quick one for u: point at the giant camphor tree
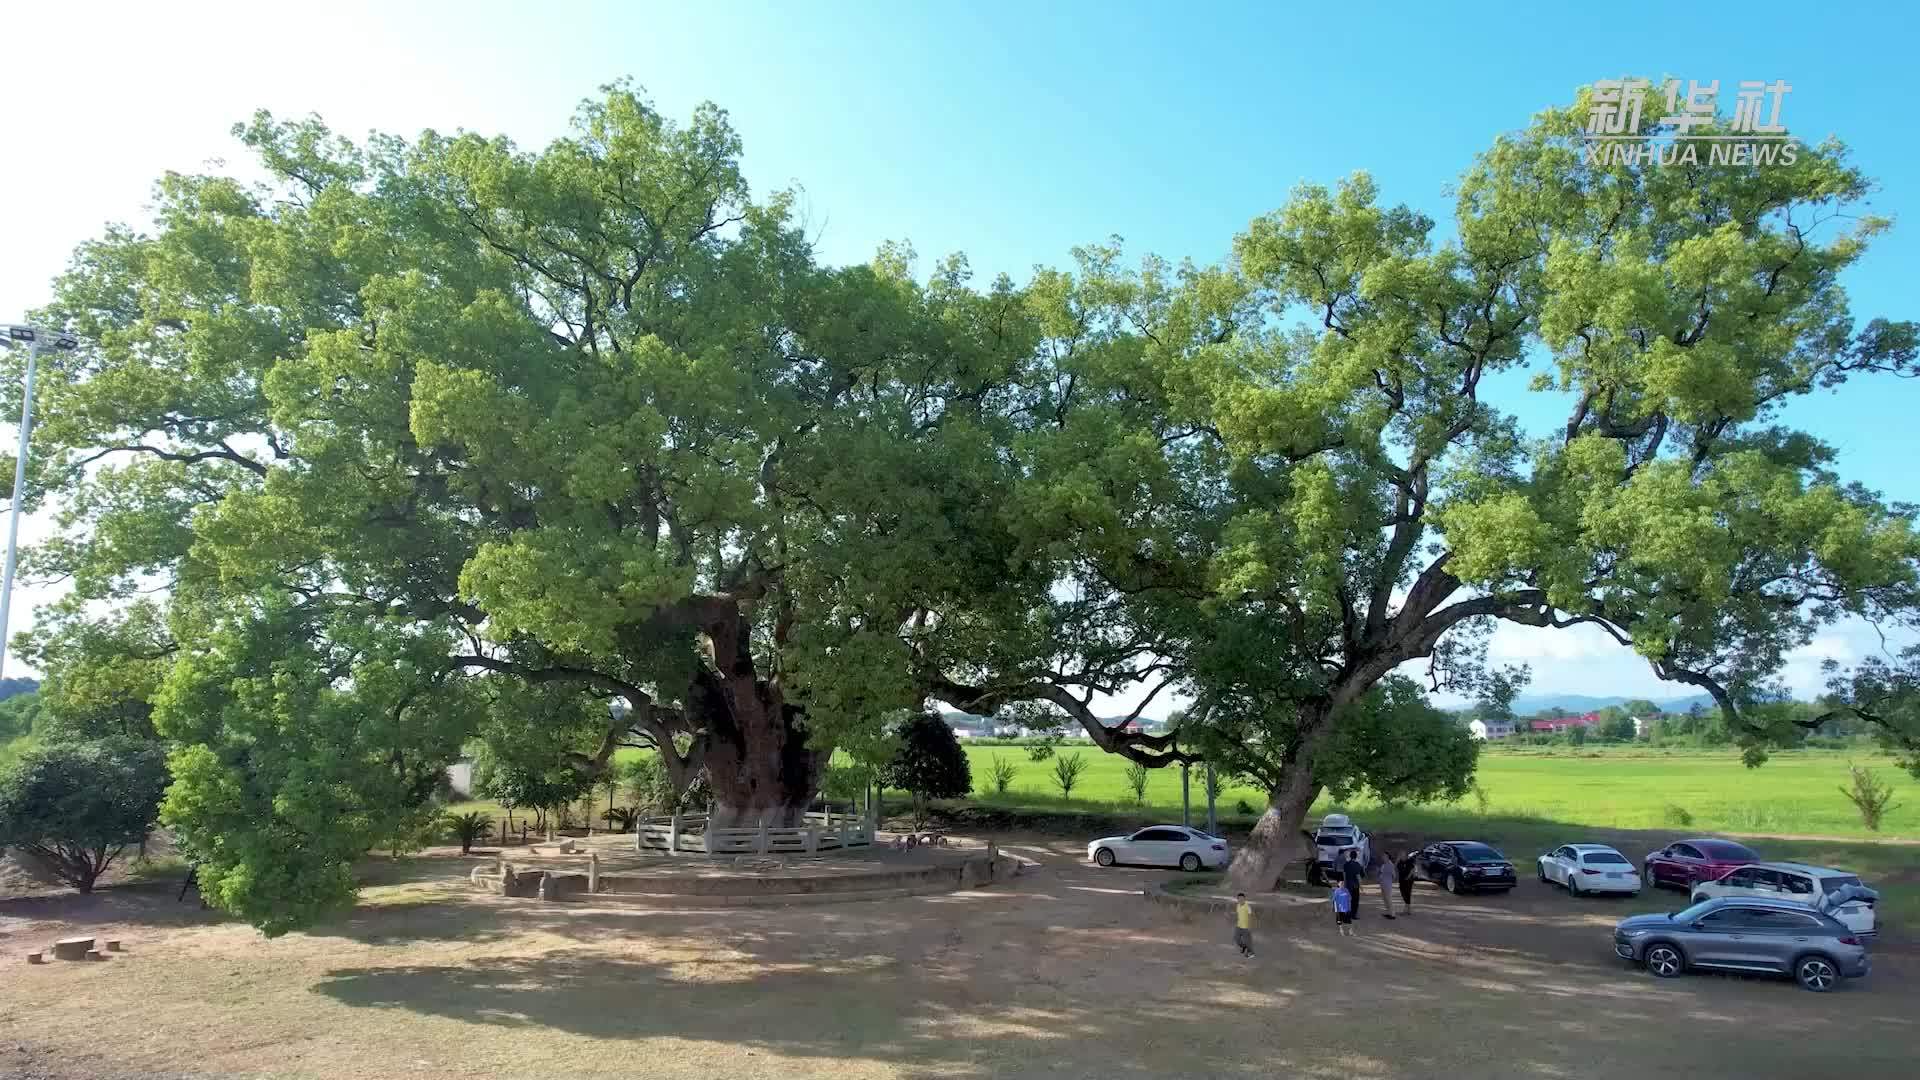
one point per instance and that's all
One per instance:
(1284, 477)
(414, 421)
(412, 416)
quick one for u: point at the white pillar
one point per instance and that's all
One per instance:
(593, 872)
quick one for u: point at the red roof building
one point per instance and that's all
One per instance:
(1565, 722)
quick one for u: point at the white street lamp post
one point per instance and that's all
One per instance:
(36, 341)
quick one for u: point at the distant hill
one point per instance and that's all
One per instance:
(10, 687)
(1528, 704)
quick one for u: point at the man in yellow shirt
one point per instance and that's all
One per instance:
(1243, 924)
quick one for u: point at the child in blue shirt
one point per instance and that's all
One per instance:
(1343, 909)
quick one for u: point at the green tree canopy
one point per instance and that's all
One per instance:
(929, 762)
(1283, 477)
(420, 418)
(78, 806)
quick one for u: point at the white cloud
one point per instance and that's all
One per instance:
(1515, 644)
(1802, 673)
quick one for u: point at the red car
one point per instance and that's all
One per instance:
(1689, 862)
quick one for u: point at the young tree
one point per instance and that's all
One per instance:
(1001, 772)
(1066, 772)
(1137, 775)
(928, 764)
(78, 806)
(1283, 478)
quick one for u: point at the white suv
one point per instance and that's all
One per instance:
(1835, 892)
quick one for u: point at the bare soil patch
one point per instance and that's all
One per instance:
(1064, 972)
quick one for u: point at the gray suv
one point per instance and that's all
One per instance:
(1745, 934)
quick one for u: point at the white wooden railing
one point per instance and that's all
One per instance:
(690, 834)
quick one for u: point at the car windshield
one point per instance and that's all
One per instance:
(1479, 853)
(1692, 913)
(1336, 837)
(1720, 849)
(1604, 858)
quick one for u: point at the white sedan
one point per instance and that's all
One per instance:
(1589, 868)
(1161, 845)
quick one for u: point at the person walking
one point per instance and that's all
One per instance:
(1351, 875)
(1387, 878)
(1405, 870)
(1342, 909)
(1243, 924)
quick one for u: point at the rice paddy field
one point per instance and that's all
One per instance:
(1794, 793)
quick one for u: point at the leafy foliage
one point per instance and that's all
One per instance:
(426, 436)
(468, 829)
(1869, 795)
(79, 805)
(1137, 775)
(1066, 772)
(929, 762)
(1000, 774)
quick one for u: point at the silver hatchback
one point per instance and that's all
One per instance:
(1745, 934)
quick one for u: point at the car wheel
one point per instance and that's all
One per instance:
(1665, 961)
(1541, 869)
(1454, 884)
(1647, 878)
(1104, 857)
(1816, 973)
(1573, 886)
(1189, 862)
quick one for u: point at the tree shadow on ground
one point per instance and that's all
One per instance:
(1063, 973)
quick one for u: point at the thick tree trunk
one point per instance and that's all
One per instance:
(1276, 836)
(757, 757)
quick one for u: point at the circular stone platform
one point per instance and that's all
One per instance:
(606, 869)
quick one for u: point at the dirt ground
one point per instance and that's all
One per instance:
(1064, 972)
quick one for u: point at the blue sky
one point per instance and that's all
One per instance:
(1008, 133)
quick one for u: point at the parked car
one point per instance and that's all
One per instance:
(1822, 888)
(1685, 864)
(1589, 868)
(1745, 934)
(1331, 842)
(1465, 866)
(1162, 845)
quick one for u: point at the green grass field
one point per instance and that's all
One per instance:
(1795, 792)
(1537, 798)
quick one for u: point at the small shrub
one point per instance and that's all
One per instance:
(1678, 815)
(1000, 773)
(1137, 783)
(1869, 795)
(1243, 808)
(469, 828)
(1066, 772)
(1480, 800)
(621, 818)
(78, 806)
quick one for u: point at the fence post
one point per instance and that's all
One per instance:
(813, 839)
(593, 872)
(706, 837)
(673, 834)
(763, 836)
